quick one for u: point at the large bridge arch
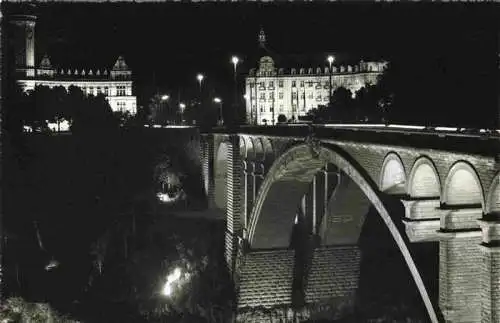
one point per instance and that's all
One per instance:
(269, 228)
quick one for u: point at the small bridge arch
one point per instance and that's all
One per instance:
(463, 186)
(493, 201)
(393, 175)
(423, 180)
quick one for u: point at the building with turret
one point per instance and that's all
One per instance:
(114, 82)
(271, 90)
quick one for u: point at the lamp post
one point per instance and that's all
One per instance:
(235, 61)
(164, 98)
(330, 61)
(221, 118)
(200, 78)
(182, 106)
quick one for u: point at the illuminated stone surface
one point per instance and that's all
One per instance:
(444, 186)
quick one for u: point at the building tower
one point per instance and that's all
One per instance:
(262, 38)
(23, 38)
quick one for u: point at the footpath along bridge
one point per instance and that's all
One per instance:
(322, 179)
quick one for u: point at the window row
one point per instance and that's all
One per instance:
(262, 108)
(98, 90)
(295, 96)
(121, 106)
(262, 85)
(120, 90)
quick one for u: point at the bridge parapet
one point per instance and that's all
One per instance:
(482, 143)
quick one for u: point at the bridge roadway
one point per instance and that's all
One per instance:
(482, 142)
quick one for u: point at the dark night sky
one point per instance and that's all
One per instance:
(449, 48)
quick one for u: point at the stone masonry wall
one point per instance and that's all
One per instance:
(460, 279)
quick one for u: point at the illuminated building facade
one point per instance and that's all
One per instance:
(115, 82)
(271, 91)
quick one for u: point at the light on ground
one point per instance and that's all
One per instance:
(171, 280)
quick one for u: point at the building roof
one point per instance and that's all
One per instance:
(120, 64)
(306, 59)
(45, 63)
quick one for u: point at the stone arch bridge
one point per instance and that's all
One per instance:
(319, 181)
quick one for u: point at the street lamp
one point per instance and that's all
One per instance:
(330, 60)
(200, 78)
(163, 109)
(182, 106)
(221, 118)
(235, 61)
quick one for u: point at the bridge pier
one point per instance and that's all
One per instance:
(459, 256)
(233, 206)
(208, 158)
(490, 269)
(422, 220)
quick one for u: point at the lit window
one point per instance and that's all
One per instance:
(121, 106)
(263, 96)
(280, 95)
(281, 107)
(271, 84)
(301, 83)
(261, 108)
(310, 84)
(106, 91)
(120, 90)
(91, 90)
(294, 107)
(293, 84)
(310, 96)
(280, 83)
(251, 85)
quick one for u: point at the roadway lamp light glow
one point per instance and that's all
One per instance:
(217, 100)
(164, 97)
(171, 280)
(330, 59)
(235, 60)
(182, 105)
(200, 77)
